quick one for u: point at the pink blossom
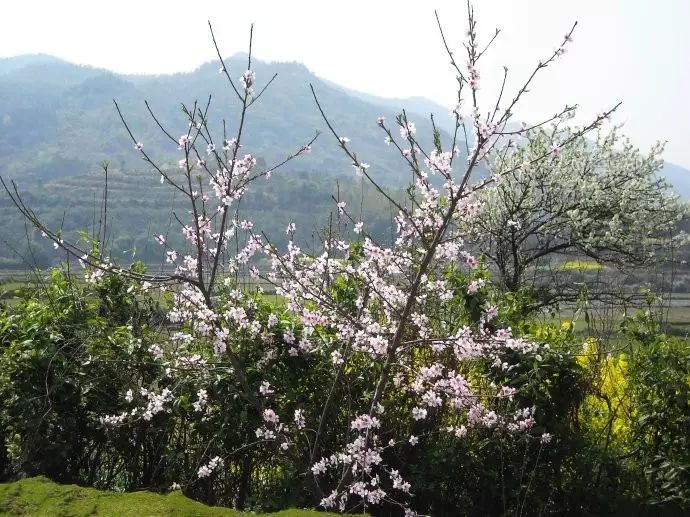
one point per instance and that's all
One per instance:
(408, 130)
(265, 389)
(475, 285)
(270, 416)
(183, 141)
(247, 81)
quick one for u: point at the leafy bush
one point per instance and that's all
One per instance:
(659, 374)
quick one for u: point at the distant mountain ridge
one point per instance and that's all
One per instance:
(57, 118)
(58, 123)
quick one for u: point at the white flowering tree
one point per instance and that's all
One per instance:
(600, 199)
(382, 331)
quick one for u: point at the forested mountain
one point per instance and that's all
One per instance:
(141, 207)
(58, 119)
(58, 123)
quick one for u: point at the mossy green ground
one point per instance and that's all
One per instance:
(41, 497)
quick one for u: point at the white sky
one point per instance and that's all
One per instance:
(635, 51)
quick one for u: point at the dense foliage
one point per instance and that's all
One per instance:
(70, 352)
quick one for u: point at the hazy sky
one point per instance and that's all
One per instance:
(635, 51)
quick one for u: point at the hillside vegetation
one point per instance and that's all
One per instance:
(140, 207)
(58, 119)
(58, 124)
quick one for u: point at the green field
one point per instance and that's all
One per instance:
(12, 281)
(41, 497)
(673, 317)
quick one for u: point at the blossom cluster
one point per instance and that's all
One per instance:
(403, 322)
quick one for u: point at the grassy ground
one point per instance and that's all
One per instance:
(41, 497)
